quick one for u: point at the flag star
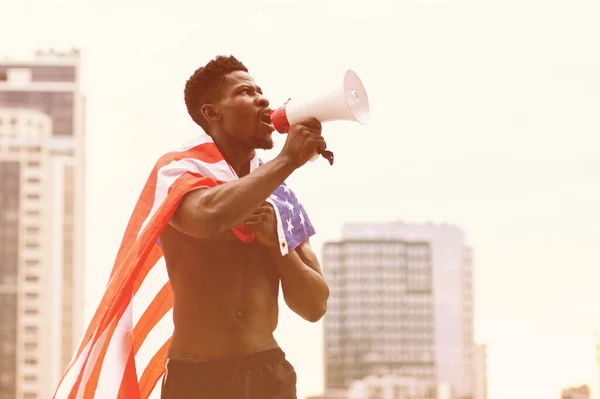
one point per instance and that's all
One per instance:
(290, 226)
(290, 206)
(302, 218)
(286, 189)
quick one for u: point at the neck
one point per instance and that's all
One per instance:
(237, 154)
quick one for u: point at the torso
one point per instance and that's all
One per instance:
(225, 295)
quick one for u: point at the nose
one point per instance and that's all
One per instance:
(261, 101)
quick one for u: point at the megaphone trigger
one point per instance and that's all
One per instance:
(328, 155)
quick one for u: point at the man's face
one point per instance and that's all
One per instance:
(245, 113)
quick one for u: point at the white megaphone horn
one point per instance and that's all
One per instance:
(348, 101)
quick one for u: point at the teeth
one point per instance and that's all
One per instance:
(266, 118)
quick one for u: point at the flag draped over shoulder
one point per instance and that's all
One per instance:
(108, 364)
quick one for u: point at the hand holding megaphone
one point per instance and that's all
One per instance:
(347, 101)
(304, 140)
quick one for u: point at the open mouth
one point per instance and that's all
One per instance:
(265, 118)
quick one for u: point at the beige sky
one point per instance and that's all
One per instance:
(484, 114)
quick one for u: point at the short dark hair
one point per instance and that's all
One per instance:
(203, 86)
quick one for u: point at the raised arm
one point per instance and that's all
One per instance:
(210, 212)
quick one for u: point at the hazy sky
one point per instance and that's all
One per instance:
(484, 114)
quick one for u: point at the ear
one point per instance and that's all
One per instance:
(210, 112)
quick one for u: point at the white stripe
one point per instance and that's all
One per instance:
(115, 360)
(280, 234)
(92, 359)
(64, 389)
(157, 277)
(157, 391)
(157, 337)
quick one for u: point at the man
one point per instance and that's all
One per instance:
(225, 291)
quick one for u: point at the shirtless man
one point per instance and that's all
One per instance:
(225, 291)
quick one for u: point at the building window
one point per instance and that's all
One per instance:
(31, 311)
(31, 296)
(31, 361)
(32, 229)
(31, 346)
(31, 329)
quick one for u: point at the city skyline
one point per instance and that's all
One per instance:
(41, 214)
(483, 115)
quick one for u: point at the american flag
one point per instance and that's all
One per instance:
(123, 351)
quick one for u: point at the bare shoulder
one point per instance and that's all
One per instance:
(184, 218)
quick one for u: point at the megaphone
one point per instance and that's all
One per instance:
(348, 101)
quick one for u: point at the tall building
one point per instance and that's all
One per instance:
(480, 379)
(401, 303)
(41, 221)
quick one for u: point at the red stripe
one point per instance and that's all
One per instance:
(159, 306)
(129, 388)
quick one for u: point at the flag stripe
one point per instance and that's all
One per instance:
(85, 371)
(129, 388)
(108, 350)
(71, 373)
(159, 306)
(155, 255)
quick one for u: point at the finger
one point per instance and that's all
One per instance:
(320, 144)
(312, 123)
(255, 225)
(261, 210)
(255, 218)
(265, 207)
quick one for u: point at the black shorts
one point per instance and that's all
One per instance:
(262, 375)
